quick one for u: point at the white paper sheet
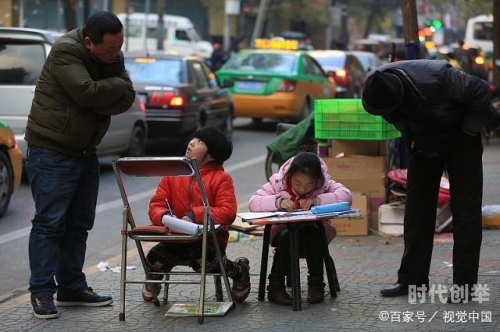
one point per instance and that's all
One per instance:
(180, 226)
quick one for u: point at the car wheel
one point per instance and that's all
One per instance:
(306, 110)
(227, 127)
(6, 182)
(137, 147)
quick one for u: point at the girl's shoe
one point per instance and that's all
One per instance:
(146, 292)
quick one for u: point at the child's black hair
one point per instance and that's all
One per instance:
(219, 146)
(307, 163)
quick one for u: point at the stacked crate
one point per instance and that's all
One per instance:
(357, 154)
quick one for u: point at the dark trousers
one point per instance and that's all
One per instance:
(163, 257)
(464, 166)
(311, 245)
(65, 192)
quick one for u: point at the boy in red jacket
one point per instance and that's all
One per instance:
(182, 195)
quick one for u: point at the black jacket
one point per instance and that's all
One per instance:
(437, 95)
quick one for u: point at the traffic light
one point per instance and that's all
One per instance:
(436, 24)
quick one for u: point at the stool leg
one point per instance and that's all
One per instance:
(294, 262)
(263, 263)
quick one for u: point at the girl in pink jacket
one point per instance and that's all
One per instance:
(301, 182)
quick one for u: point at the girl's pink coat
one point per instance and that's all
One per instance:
(264, 199)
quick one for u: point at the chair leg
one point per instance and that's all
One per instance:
(165, 291)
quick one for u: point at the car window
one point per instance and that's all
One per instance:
(311, 67)
(200, 80)
(150, 70)
(181, 35)
(21, 64)
(270, 62)
(330, 60)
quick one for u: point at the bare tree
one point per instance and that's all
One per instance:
(69, 7)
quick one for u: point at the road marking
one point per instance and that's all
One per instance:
(133, 198)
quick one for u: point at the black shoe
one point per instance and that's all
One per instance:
(397, 289)
(43, 306)
(87, 298)
(400, 289)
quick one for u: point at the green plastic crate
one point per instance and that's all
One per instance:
(347, 119)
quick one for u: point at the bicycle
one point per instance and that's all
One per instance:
(291, 139)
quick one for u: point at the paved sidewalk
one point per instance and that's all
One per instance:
(364, 265)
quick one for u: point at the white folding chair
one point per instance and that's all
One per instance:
(145, 232)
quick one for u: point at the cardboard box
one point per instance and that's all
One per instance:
(352, 226)
(358, 147)
(365, 174)
(391, 218)
(356, 166)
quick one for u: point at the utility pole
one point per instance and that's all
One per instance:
(259, 24)
(410, 28)
(410, 33)
(161, 25)
(496, 44)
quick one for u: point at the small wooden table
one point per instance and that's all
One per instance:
(293, 222)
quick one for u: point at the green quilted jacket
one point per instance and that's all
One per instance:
(75, 97)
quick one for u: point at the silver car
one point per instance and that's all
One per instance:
(22, 55)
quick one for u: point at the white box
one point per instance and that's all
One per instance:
(391, 218)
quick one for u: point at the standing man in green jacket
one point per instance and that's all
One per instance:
(82, 84)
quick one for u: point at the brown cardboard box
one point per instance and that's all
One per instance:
(352, 226)
(358, 147)
(364, 174)
(356, 166)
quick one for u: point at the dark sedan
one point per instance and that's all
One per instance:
(181, 94)
(347, 71)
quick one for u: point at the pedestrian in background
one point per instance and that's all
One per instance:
(82, 84)
(218, 56)
(301, 183)
(441, 112)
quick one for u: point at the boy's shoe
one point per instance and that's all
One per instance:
(241, 286)
(87, 298)
(43, 306)
(146, 292)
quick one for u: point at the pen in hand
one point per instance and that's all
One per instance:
(170, 212)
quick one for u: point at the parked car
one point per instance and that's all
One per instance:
(369, 60)
(22, 55)
(347, 71)
(277, 84)
(11, 166)
(181, 94)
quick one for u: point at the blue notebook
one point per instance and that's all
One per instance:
(329, 208)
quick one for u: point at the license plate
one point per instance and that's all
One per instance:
(249, 86)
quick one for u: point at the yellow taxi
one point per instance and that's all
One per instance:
(11, 166)
(275, 81)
